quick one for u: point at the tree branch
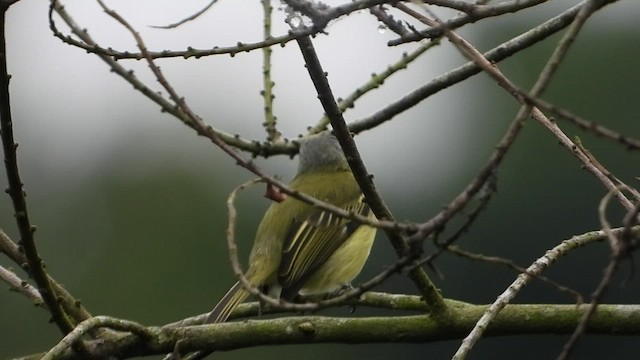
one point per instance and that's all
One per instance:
(426, 287)
(513, 320)
(461, 73)
(493, 312)
(71, 305)
(34, 264)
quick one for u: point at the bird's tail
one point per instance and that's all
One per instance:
(220, 313)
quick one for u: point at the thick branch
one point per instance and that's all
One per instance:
(513, 320)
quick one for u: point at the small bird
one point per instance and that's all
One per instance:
(300, 249)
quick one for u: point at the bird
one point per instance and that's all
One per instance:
(300, 249)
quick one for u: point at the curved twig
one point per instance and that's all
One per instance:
(619, 251)
(523, 279)
(187, 19)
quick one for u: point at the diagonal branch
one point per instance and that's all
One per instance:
(374, 82)
(618, 253)
(469, 51)
(521, 281)
(372, 196)
(495, 73)
(461, 73)
(18, 285)
(584, 124)
(71, 305)
(165, 104)
(480, 13)
(195, 122)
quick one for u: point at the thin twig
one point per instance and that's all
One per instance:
(187, 19)
(273, 135)
(254, 147)
(461, 73)
(21, 286)
(586, 125)
(489, 187)
(184, 113)
(375, 82)
(469, 51)
(628, 222)
(501, 8)
(370, 299)
(35, 266)
(577, 297)
(281, 304)
(380, 12)
(476, 185)
(522, 280)
(94, 48)
(619, 251)
(495, 73)
(70, 304)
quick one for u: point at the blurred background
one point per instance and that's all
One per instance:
(129, 203)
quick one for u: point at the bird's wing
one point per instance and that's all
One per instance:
(311, 241)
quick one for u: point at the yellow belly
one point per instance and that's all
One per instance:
(344, 265)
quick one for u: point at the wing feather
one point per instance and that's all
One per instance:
(310, 243)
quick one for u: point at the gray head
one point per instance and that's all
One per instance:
(321, 151)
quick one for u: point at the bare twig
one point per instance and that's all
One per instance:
(629, 220)
(577, 297)
(180, 109)
(11, 249)
(256, 148)
(369, 299)
(461, 200)
(21, 286)
(478, 13)
(495, 73)
(92, 47)
(187, 19)
(459, 74)
(35, 266)
(619, 251)
(523, 279)
(281, 304)
(71, 305)
(590, 126)
(273, 135)
(93, 323)
(545, 76)
(374, 82)
(489, 187)
(620, 185)
(417, 275)
(380, 12)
